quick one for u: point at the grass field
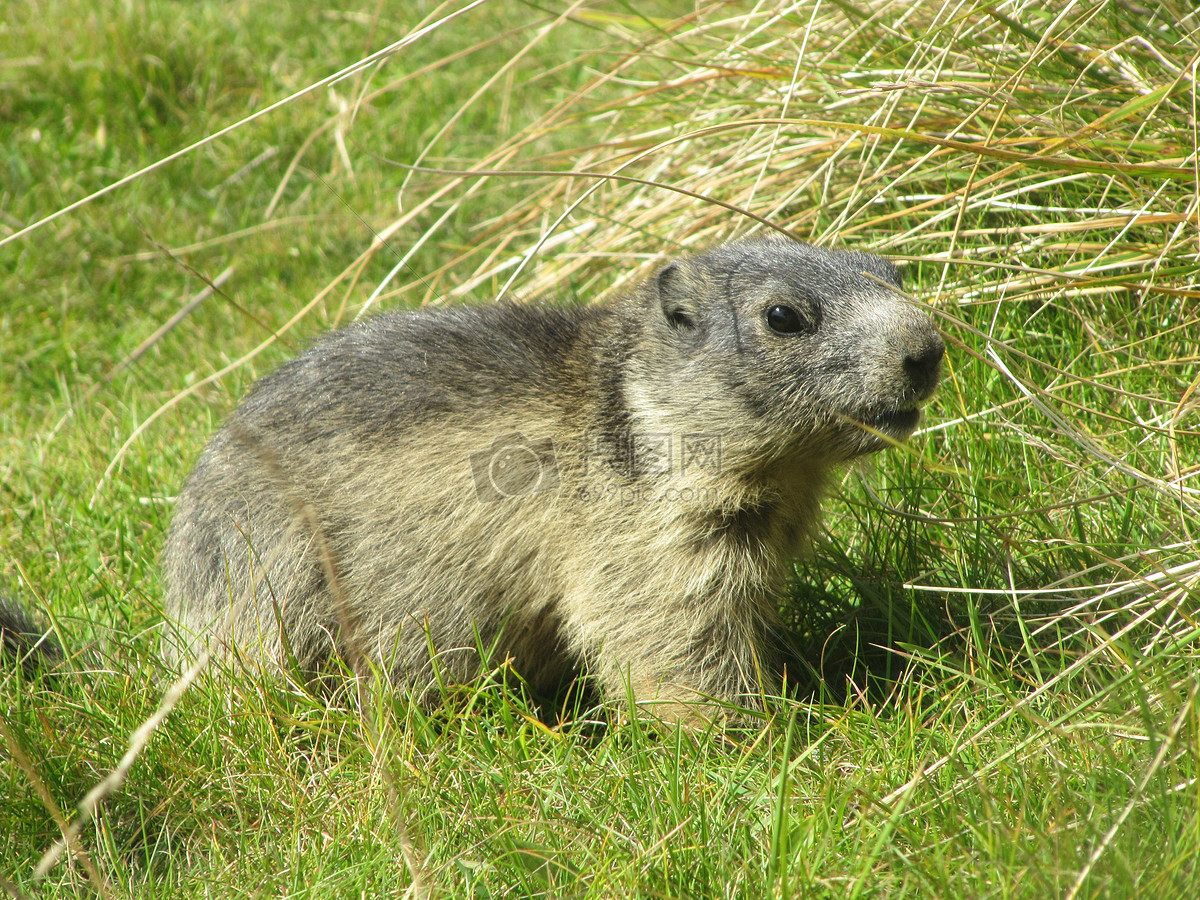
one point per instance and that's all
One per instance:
(1002, 621)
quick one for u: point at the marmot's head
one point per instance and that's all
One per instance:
(783, 349)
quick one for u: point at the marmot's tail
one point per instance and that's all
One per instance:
(24, 641)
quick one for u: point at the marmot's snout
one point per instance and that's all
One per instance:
(923, 361)
(901, 355)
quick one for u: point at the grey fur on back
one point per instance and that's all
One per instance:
(618, 486)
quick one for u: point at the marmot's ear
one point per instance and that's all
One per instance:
(678, 305)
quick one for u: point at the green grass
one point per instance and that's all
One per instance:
(998, 629)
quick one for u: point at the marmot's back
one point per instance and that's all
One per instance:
(404, 369)
(617, 486)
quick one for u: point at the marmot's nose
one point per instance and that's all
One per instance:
(923, 362)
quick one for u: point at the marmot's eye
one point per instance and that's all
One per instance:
(785, 319)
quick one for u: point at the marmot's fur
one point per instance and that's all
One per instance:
(618, 486)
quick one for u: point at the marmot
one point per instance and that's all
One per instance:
(618, 486)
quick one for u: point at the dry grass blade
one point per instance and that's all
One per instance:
(1166, 745)
(369, 681)
(112, 782)
(70, 833)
